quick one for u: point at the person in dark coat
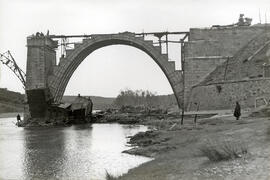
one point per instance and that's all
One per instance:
(18, 120)
(237, 111)
(18, 117)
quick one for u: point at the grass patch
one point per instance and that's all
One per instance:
(110, 177)
(224, 150)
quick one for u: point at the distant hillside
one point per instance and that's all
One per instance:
(99, 102)
(102, 103)
(10, 101)
(13, 101)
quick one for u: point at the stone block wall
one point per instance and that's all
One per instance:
(37, 101)
(35, 76)
(224, 95)
(255, 67)
(41, 58)
(196, 69)
(220, 42)
(209, 48)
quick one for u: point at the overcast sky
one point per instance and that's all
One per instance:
(109, 69)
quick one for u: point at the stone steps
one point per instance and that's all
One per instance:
(172, 64)
(69, 51)
(165, 56)
(77, 45)
(158, 48)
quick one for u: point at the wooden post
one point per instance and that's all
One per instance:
(183, 75)
(159, 40)
(167, 47)
(195, 118)
(226, 67)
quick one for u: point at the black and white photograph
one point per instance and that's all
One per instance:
(134, 90)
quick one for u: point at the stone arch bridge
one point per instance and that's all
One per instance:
(46, 80)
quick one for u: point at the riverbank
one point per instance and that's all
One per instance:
(177, 149)
(10, 114)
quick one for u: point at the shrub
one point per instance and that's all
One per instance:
(110, 177)
(225, 150)
(144, 98)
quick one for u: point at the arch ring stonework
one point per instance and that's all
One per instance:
(67, 65)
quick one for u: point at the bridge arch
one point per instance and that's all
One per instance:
(62, 73)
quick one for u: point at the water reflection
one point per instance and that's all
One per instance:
(11, 146)
(77, 152)
(43, 153)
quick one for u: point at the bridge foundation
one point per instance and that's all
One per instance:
(41, 58)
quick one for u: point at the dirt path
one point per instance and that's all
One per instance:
(177, 154)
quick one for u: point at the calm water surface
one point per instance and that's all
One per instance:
(76, 152)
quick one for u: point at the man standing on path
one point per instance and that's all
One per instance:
(237, 110)
(18, 119)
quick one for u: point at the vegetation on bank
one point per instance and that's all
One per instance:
(144, 98)
(223, 150)
(136, 98)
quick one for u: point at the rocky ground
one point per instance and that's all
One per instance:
(177, 148)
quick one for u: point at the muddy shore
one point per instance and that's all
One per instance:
(176, 149)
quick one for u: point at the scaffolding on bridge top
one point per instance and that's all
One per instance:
(64, 39)
(157, 34)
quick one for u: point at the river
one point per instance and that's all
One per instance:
(76, 152)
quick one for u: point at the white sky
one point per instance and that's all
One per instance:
(112, 68)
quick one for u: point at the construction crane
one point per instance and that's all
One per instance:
(8, 60)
